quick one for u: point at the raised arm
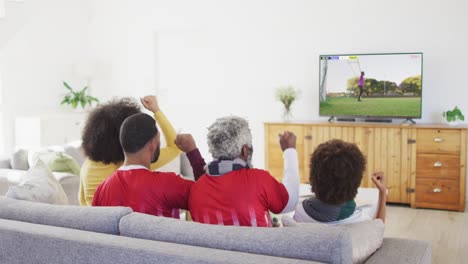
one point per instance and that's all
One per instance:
(379, 180)
(186, 143)
(291, 169)
(170, 151)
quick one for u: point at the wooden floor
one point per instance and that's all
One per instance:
(447, 231)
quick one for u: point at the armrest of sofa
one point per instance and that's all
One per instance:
(5, 162)
(402, 251)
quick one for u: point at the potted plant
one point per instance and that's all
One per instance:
(287, 95)
(78, 98)
(454, 116)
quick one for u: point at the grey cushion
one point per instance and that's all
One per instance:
(97, 219)
(402, 251)
(70, 184)
(321, 243)
(5, 162)
(31, 243)
(19, 160)
(76, 152)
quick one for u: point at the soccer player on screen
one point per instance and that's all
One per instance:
(361, 86)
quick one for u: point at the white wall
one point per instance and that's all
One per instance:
(206, 59)
(39, 56)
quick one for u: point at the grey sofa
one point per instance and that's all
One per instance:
(42, 233)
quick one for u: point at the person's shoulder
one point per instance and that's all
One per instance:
(164, 174)
(170, 176)
(259, 173)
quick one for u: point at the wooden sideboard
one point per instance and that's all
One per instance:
(424, 164)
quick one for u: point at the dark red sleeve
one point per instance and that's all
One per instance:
(275, 194)
(197, 162)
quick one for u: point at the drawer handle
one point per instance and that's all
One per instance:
(437, 190)
(438, 164)
(438, 139)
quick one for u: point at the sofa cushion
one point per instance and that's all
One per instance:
(402, 251)
(56, 161)
(97, 219)
(9, 178)
(315, 242)
(19, 160)
(39, 185)
(70, 183)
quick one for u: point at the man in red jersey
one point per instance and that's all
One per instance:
(133, 184)
(231, 192)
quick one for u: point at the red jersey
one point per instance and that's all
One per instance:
(145, 191)
(242, 197)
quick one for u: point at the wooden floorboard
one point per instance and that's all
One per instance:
(447, 231)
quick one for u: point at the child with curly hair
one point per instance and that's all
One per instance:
(336, 172)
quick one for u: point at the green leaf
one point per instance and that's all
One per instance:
(67, 86)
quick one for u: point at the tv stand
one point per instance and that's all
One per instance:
(409, 120)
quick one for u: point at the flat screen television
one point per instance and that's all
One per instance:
(385, 85)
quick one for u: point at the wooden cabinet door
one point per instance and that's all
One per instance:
(387, 149)
(316, 135)
(274, 154)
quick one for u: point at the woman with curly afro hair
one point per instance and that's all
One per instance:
(336, 169)
(101, 142)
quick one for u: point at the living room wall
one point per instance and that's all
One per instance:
(45, 49)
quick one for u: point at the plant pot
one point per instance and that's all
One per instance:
(454, 123)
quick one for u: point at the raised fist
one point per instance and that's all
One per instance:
(150, 102)
(287, 140)
(185, 142)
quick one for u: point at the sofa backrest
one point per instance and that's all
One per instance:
(96, 219)
(22, 242)
(315, 242)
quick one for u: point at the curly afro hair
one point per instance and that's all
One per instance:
(336, 169)
(101, 132)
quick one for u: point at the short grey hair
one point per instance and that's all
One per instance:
(227, 135)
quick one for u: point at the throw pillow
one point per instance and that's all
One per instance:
(366, 236)
(39, 185)
(19, 160)
(55, 161)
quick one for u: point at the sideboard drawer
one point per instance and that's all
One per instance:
(437, 191)
(438, 141)
(443, 166)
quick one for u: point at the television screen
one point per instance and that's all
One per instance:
(371, 85)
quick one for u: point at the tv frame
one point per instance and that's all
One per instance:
(350, 117)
